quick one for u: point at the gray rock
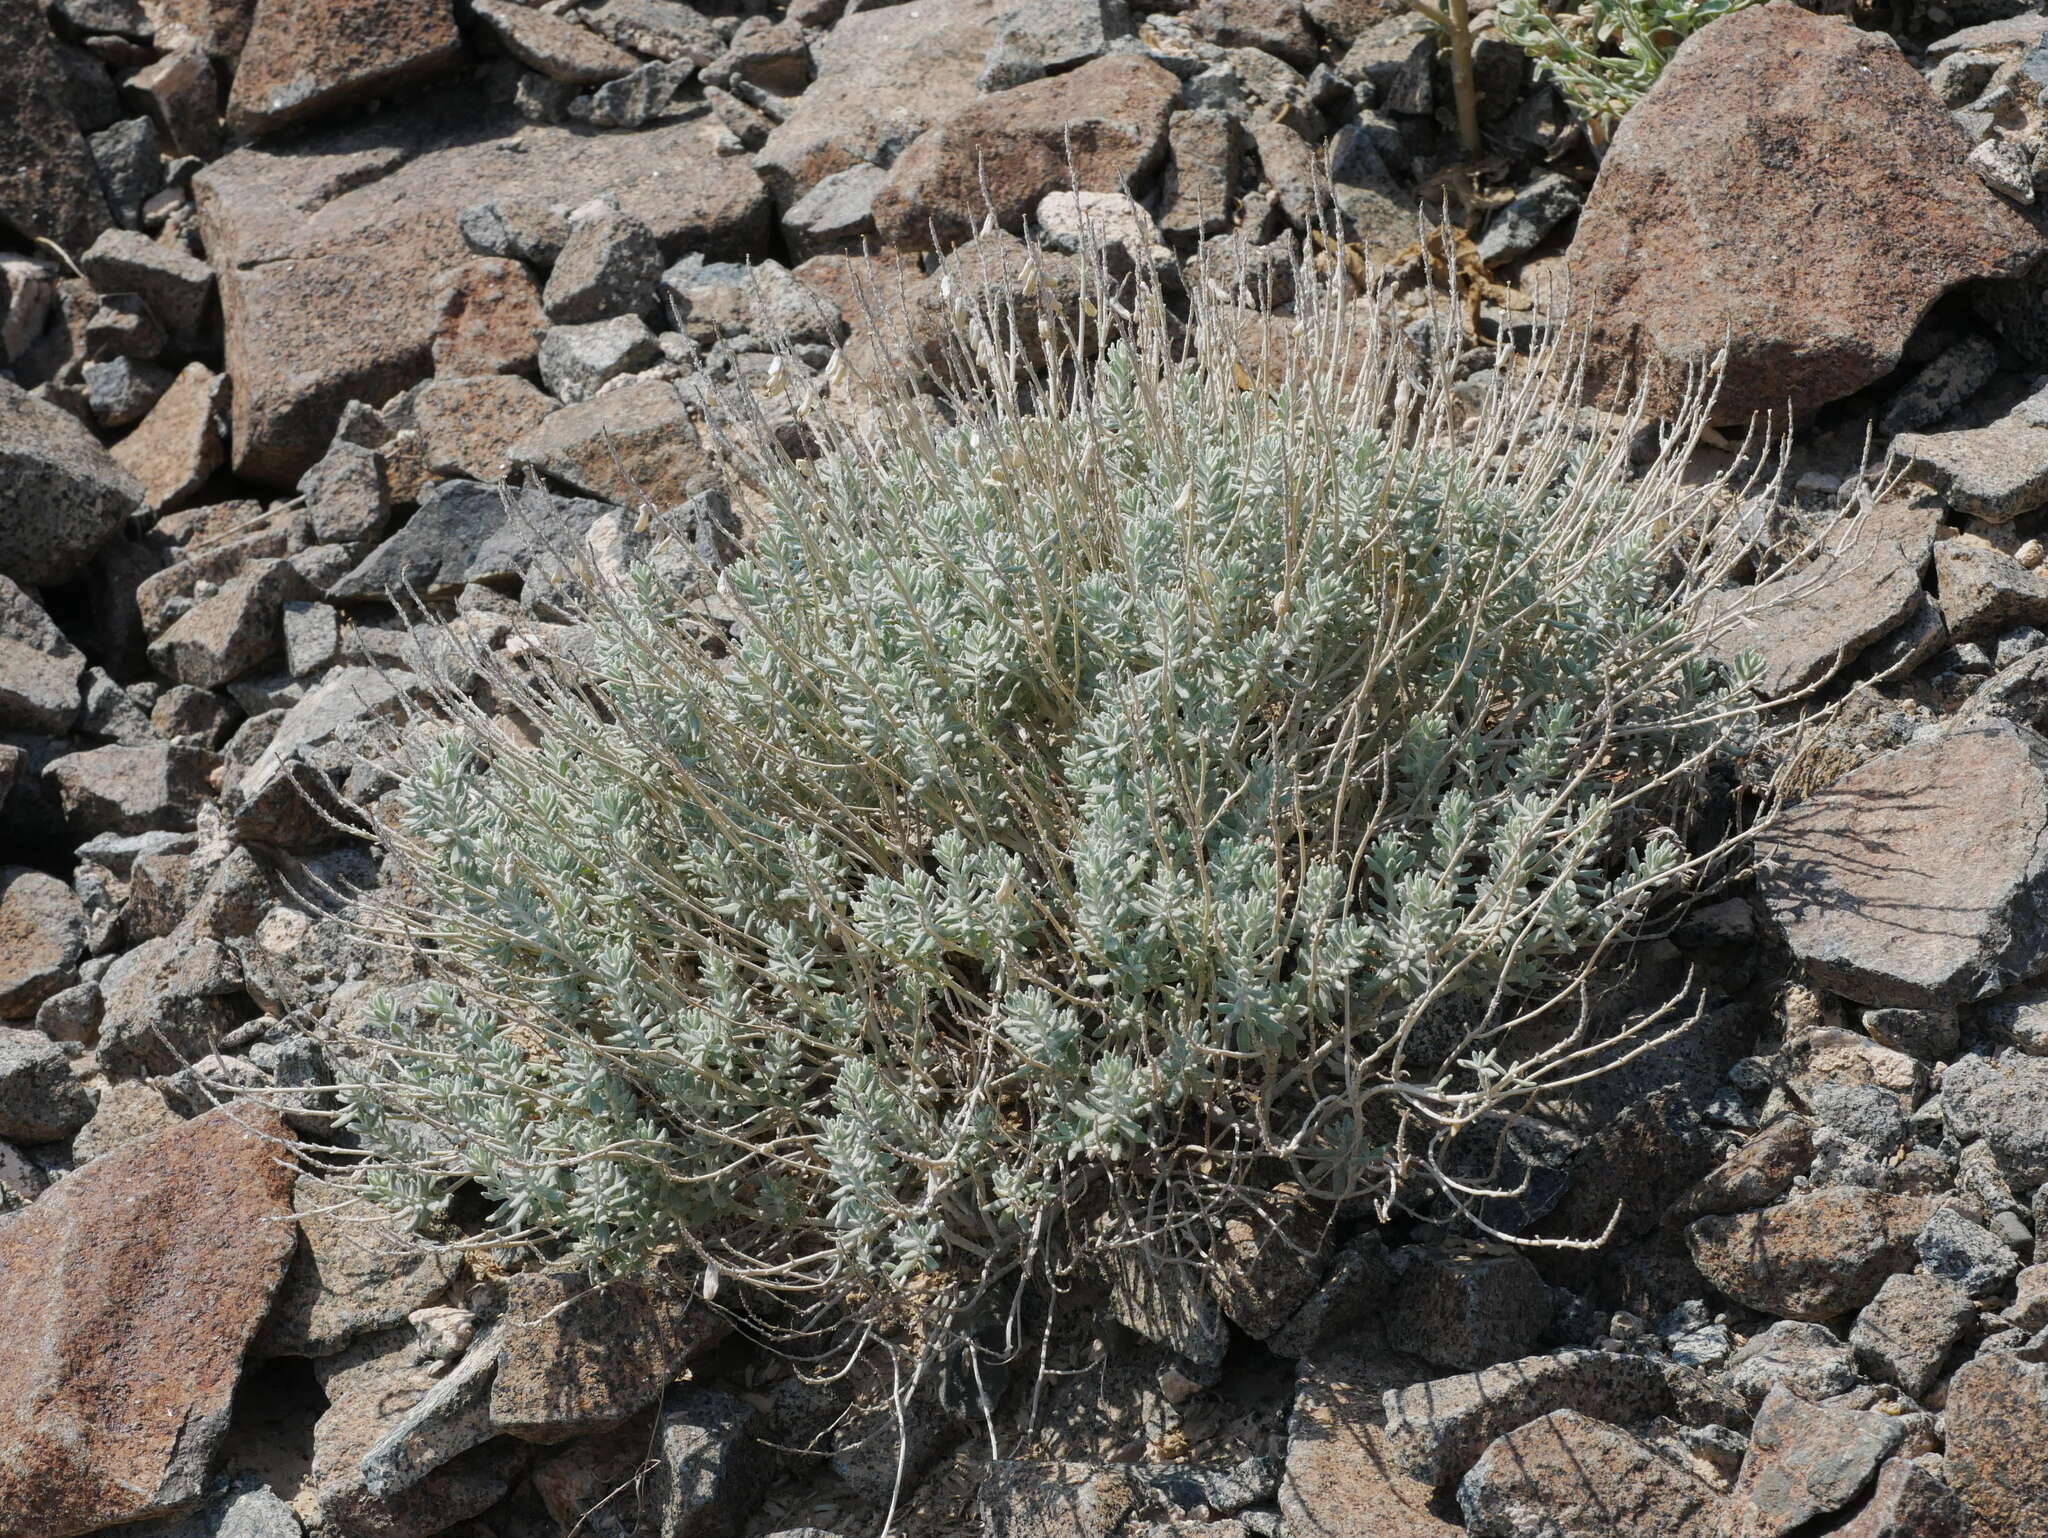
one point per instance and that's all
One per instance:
(576, 360)
(242, 1507)
(176, 285)
(1931, 1035)
(41, 1100)
(129, 159)
(1568, 1474)
(112, 712)
(1436, 1430)
(707, 1466)
(1942, 384)
(1460, 1312)
(42, 940)
(66, 494)
(1955, 911)
(234, 632)
(124, 326)
(1812, 619)
(836, 215)
(132, 789)
(1806, 1359)
(1804, 1461)
(1042, 37)
(1871, 1115)
(1167, 1304)
(312, 637)
(1905, 1334)
(371, 1388)
(450, 1418)
(167, 1002)
(1520, 225)
(658, 29)
(579, 1358)
(1356, 1288)
(608, 267)
(1969, 1255)
(39, 688)
(525, 229)
(1999, 1099)
(348, 495)
(1199, 194)
(782, 310)
(71, 1014)
(353, 1271)
(1997, 473)
(634, 100)
(468, 532)
(1817, 1255)
(121, 391)
(1983, 591)
(559, 48)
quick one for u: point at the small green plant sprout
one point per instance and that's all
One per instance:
(1604, 54)
(1121, 796)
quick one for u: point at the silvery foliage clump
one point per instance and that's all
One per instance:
(1604, 54)
(1106, 782)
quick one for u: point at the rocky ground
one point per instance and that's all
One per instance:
(287, 289)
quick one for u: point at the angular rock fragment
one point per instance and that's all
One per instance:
(1568, 1473)
(352, 1272)
(1910, 1501)
(371, 1388)
(1342, 1477)
(468, 532)
(41, 1099)
(577, 361)
(42, 940)
(1905, 1333)
(133, 1289)
(1466, 1312)
(1099, 129)
(1997, 1418)
(66, 494)
(490, 319)
(470, 425)
(1958, 907)
(707, 1466)
(1983, 591)
(1690, 242)
(1816, 617)
(1436, 1430)
(1805, 1359)
(634, 443)
(167, 1002)
(557, 47)
(132, 789)
(1804, 1461)
(608, 267)
(578, 1359)
(178, 446)
(1817, 1255)
(885, 75)
(1999, 1099)
(303, 61)
(47, 183)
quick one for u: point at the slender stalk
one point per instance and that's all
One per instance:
(1464, 90)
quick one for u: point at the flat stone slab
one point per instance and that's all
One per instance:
(1921, 878)
(131, 1291)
